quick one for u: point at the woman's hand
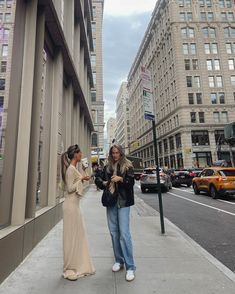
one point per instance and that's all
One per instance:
(86, 178)
(116, 179)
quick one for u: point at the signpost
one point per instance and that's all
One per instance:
(149, 115)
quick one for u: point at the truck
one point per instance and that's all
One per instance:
(137, 164)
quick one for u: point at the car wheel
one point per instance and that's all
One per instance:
(170, 186)
(213, 192)
(143, 190)
(188, 185)
(196, 190)
(166, 189)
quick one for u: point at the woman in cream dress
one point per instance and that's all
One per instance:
(77, 260)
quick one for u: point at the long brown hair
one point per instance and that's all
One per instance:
(66, 158)
(124, 163)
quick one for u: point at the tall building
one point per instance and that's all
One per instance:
(111, 128)
(46, 107)
(7, 13)
(122, 135)
(97, 68)
(189, 47)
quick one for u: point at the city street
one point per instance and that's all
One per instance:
(207, 221)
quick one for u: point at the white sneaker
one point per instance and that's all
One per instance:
(117, 267)
(130, 275)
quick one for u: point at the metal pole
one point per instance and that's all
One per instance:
(158, 178)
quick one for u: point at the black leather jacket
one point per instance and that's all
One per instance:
(124, 189)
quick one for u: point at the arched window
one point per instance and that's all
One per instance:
(187, 32)
(209, 32)
(229, 32)
(94, 140)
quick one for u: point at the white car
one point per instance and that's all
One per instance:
(148, 180)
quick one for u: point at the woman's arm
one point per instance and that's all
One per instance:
(74, 184)
(128, 178)
(101, 179)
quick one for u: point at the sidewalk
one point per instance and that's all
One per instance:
(170, 264)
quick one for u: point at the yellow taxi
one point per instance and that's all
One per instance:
(217, 181)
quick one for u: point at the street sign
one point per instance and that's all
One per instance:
(147, 94)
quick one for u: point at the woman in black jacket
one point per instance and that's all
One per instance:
(118, 174)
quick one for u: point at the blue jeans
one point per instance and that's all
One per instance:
(119, 227)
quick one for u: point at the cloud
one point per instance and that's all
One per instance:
(122, 36)
(128, 7)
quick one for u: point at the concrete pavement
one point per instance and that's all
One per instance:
(169, 264)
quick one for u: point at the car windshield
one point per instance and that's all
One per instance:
(227, 172)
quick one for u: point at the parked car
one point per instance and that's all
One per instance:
(217, 181)
(148, 180)
(197, 171)
(182, 177)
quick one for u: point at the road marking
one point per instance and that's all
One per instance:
(212, 207)
(225, 201)
(189, 191)
(228, 202)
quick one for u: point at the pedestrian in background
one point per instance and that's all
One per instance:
(77, 260)
(118, 174)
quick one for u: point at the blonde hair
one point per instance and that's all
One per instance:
(124, 163)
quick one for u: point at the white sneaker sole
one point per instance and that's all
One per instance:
(118, 270)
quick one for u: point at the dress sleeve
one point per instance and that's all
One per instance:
(74, 182)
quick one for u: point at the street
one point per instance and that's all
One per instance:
(207, 221)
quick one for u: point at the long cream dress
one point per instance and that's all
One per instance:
(77, 260)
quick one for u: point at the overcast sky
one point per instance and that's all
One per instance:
(125, 22)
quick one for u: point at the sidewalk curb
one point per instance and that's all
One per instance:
(218, 264)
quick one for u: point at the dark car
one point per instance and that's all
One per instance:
(182, 177)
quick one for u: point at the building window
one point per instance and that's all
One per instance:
(187, 33)
(221, 97)
(1, 103)
(201, 117)
(211, 82)
(187, 64)
(94, 140)
(186, 16)
(209, 32)
(216, 64)
(180, 162)
(224, 116)
(203, 16)
(200, 138)
(165, 145)
(209, 64)
(199, 98)
(190, 98)
(195, 64)
(189, 81)
(230, 16)
(185, 49)
(178, 140)
(229, 48)
(93, 96)
(210, 16)
(2, 2)
(214, 48)
(2, 84)
(3, 66)
(193, 48)
(197, 83)
(231, 64)
(7, 17)
(233, 81)
(160, 147)
(171, 142)
(193, 117)
(229, 32)
(216, 116)
(213, 98)
(4, 50)
(219, 82)
(207, 48)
